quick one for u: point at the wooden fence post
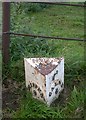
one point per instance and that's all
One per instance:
(5, 28)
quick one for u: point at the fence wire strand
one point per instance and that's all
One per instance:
(41, 36)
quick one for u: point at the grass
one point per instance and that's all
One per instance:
(32, 108)
(57, 21)
(52, 21)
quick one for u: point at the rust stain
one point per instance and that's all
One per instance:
(36, 71)
(45, 69)
(42, 77)
(56, 82)
(45, 66)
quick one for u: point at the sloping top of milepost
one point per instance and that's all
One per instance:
(44, 65)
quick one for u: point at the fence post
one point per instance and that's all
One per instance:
(5, 28)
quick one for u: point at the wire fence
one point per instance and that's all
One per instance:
(60, 3)
(41, 36)
(7, 33)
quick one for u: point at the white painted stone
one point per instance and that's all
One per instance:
(44, 77)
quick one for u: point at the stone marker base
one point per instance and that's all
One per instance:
(44, 77)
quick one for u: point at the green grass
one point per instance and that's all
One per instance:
(32, 108)
(52, 21)
(58, 21)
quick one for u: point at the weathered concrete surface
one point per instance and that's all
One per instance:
(44, 77)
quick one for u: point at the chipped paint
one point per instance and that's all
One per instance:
(44, 65)
(44, 77)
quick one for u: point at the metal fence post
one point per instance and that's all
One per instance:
(5, 28)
